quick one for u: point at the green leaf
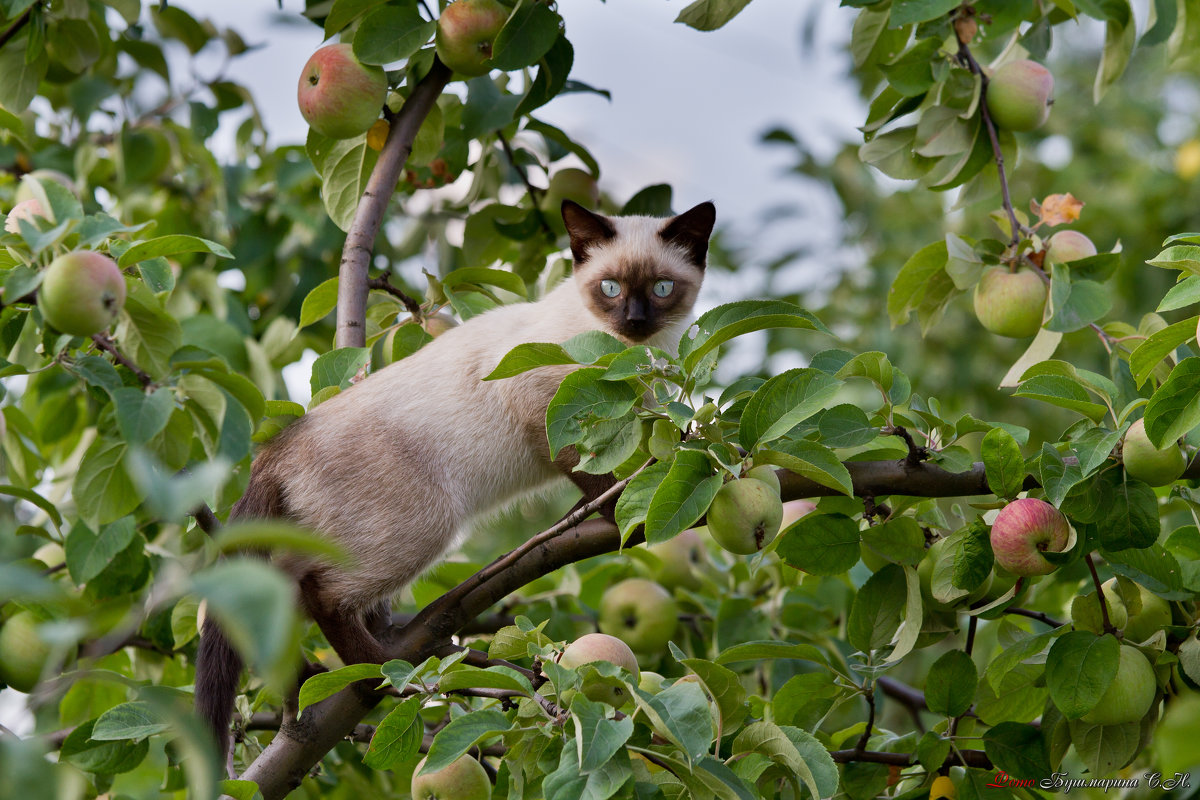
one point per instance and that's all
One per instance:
(337, 367)
(682, 497)
(583, 395)
(101, 757)
(527, 356)
(875, 614)
(277, 535)
(820, 544)
(172, 245)
(899, 539)
(343, 12)
(1174, 408)
(709, 15)
(908, 289)
(103, 491)
(651, 201)
(846, 425)
(1018, 749)
(345, 170)
(141, 416)
(950, 684)
(634, 503)
(905, 12)
(464, 676)
(527, 36)
(607, 444)
(1003, 463)
(470, 276)
(146, 333)
(1057, 475)
(127, 721)
(681, 714)
(597, 738)
(874, 366)
(391, 33)
(1079, 669)
(327, 684)
(1120, 36)
(319, 303)
(771, 741)
(1086, 302)
(1181, 257)
(762, 651)
(33, 497)
(590, 346)
(460, 735)
(1064, 392)
(1181, 295)
(723, 323)
(724, 686)
(88, 553)
(814, 461)
(1150, 353)
(783, 402)
(397, 737)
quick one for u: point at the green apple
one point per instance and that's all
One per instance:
(1018, 95)
(679, 560)
(1146, 462)
(1131, 693)
(745, 516)
(1010, 303)
(82, 293)
(28, 210)
(1085, 612)
(640, 613)
(593, 647)
(1148, 613)
(463, 779)
(339, 97)
(23, 654)
(765, 473)
(465, 33)
(1023, 530)
(651, 682)
(1067, 246)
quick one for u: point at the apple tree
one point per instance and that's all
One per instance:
(877, 574)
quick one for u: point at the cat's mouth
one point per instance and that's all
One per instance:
(637, 330)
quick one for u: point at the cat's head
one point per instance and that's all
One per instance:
(640, 275)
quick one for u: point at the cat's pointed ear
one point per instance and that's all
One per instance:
(585, 228)
(691, 230)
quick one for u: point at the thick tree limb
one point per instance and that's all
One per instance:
(368, 219)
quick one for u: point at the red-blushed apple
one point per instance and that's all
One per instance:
(339, 97)
(745, 516)
(1067, 246)
(1146, 462)
(27, 210)
(1023, 530)
(1010, 303)
(82, 292)
(466, 31)
(640, 613)
(23, 654)
(679, 560)
(437, 324)
(1018, 95)
(765, 473)
(794, 510)
(593, 647)
(1131, 693)
(463, 779)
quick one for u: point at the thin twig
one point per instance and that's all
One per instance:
(1040, 616)
(1108, 626)
(17, 24)
(104, 343)
(534, 192)
(384, 285)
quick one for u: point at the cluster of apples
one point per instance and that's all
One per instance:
(341, 98)
(82, 291)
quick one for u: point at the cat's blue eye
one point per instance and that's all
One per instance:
(663, 288)
(610, 288)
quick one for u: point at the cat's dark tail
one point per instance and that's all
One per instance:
(218, 663)
(218, 670)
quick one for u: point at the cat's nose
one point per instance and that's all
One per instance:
(635, 309)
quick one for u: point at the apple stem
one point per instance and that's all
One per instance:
(534, 192)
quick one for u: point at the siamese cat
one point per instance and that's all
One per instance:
(394, 468)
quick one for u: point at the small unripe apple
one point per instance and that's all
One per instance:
(1085, 612)
(640, 613)
(465, 33)
(437, 324)
(1148, 613)
(23, 654)
(794, 510)
(1010, 303)
(339, 97)
(463, 779)
(27, 210)
(679, 560)
(1067, 246)
(1131, 693)
(1023, 530)
(1018, 95)
(651, 682)
(765, 473)
(1146, 462)
(593, 647)
(82, 292)
(744, 516)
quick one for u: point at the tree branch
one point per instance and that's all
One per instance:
(970, 758)
(15, 27)
(384, 285)
(102, 341)
(368, 219)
